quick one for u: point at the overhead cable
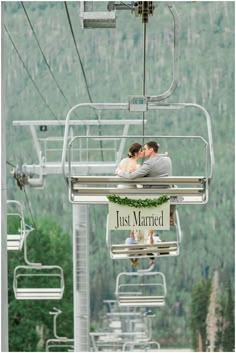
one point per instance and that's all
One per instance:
(31, 214)
(83, 71)
(49, 68)
(36, 87)
(27, 200)
(12, 165)
(77, 50)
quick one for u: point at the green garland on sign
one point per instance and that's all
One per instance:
(138, 202)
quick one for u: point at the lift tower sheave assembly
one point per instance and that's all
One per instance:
(92, 19)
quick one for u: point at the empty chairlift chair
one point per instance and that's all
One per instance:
(58, 343)
(15, 219)
(37, 281)
(151, 346)
(120, 250)
(54, 345)
(141, 289)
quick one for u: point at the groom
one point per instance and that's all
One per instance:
(154, 166)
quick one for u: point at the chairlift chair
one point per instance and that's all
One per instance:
(58, 342)
(120, 250)
(151, 346)
(24, 275)
(15, 241)
(114, 340)
(192, 189)
(109, 340)
(56, 345)
(152, 286)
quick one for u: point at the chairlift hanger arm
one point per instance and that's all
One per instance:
(55, 314)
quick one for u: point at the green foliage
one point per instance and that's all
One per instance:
(199, 306)
(229, 324)
(29, 320)
(137, 203)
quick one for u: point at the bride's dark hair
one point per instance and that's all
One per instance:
(134, 148)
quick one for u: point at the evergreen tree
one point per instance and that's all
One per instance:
(199, 305)
(213, 315)
(229, 325)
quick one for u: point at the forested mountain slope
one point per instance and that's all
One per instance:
(112, 60)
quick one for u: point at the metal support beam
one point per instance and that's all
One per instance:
(4, 282)
(81, 278)
(36, 142)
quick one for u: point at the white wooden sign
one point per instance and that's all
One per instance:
(126, 217)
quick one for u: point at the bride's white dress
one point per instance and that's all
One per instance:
(141, 236)
(128, 186)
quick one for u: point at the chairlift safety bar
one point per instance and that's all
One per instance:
(151, 106)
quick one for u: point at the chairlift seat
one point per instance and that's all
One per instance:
(38, 293)
(14, 241)
(46, 293)
(59, 343)
(142, 301)
(150, 346)
(181, 189)
(162, 248)
(66, 348)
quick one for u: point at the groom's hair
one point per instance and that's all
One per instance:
(153, 144)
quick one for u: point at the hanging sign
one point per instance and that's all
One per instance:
(123, 217)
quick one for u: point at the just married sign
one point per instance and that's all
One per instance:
(123, 217)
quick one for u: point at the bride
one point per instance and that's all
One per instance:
(129, 164)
